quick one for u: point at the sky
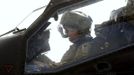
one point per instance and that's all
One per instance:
(14, 11)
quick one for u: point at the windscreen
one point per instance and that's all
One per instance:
(21, 13)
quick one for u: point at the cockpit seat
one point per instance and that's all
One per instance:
(111, 36)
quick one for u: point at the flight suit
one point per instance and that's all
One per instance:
(78, 50)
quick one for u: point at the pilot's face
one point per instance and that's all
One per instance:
(72, 34)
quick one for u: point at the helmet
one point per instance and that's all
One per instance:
(116, 13)
(123, 11)
(130, 3)
(76, 20)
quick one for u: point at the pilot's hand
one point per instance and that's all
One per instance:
(32, 68)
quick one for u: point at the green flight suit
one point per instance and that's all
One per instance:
(77, 51)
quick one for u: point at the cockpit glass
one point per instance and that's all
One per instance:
(47, 49)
